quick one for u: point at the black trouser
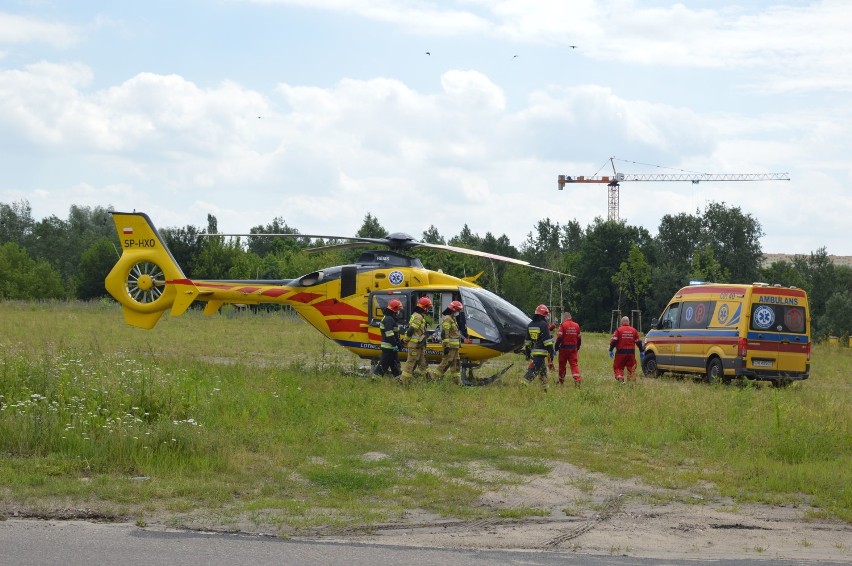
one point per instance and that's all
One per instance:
(537, 368)
(388, 361)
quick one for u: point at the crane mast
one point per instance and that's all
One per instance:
(613, 182)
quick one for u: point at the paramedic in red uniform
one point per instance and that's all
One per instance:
(568, 342)
(624, 339)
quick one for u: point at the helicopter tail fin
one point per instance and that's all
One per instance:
(147, 280)
(473, 278)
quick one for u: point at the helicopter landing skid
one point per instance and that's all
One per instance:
(467, 377)
(469, 380)
(360, 371)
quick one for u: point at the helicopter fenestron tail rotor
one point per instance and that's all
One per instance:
(146, 282)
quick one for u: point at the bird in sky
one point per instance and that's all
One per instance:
(513, 56)
(427, 53)
(573, 46)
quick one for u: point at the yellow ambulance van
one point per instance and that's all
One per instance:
(722, 331)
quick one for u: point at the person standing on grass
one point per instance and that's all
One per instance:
(624, 340)
(415, 338)
(390, 340)
(451, 342)
(538, 346)
(568, 341)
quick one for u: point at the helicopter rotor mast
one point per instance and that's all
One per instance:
(613, 183)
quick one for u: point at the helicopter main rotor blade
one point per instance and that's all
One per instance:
(371, 241)
(469, 251)
(489, 256)
(350, 245)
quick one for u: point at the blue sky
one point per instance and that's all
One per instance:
(321, 111)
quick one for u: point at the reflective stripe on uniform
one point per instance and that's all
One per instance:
(452, 338)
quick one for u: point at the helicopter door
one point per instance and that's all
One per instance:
(433, 317)
(448, 297)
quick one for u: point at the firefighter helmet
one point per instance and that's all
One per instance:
(455, 306)
(424, 303)
(542, 310)
(394, 305)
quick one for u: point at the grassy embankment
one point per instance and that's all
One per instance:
(211, 419)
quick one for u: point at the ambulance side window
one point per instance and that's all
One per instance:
(669, 318)
(696, 314)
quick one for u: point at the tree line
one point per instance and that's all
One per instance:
(613, 266)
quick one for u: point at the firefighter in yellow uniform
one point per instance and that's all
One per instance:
(451, 342)
(415, 338)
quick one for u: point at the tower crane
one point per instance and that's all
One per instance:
(614, 181)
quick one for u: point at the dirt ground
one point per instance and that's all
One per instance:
(591, 514)
(588, 514)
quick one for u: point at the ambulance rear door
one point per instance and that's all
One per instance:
(778, 338)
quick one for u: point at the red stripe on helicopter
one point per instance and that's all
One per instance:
(275, 292)
(180, 282)
(305, 297)
(345, 325)
(333, 307)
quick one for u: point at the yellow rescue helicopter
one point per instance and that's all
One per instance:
(345, 303)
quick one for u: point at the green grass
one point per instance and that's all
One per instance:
(205, 420)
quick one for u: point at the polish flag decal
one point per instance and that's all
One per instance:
(127, 230)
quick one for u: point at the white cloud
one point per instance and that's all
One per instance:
(471, 89)
(418, 17)
(16, 29)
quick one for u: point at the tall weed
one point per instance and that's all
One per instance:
(259, 414)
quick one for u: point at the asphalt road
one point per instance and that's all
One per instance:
(80, 543)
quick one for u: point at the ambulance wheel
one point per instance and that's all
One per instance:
(649, 365)
(715, 372)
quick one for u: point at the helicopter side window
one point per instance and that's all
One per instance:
(378, 303)
(348, 280)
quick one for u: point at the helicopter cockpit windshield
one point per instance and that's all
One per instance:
(493, 317)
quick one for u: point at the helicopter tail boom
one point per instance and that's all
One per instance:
(146, 280)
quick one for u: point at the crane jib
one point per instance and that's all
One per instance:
(613, 182)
